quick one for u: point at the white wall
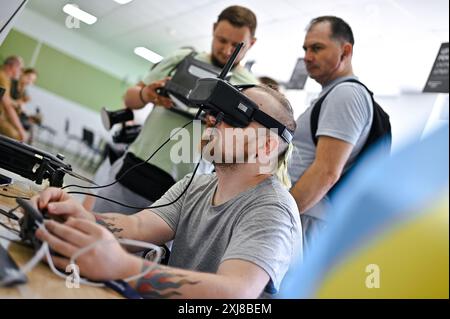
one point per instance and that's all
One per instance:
(55, 110)
(439, 114)
(409, 114)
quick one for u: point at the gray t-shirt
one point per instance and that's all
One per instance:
(346, 114)
(260, 225)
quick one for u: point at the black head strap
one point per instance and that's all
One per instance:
(266, 120)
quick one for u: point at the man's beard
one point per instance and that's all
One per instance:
(211, 154)
(216, 62)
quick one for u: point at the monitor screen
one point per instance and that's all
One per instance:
(438, 79)
(9, 11)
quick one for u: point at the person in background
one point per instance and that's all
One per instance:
(21, 97)
(343, 126)
(10, 124)
(19, 87)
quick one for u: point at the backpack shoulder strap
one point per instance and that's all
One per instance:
(360, 83)
(315, 113)
(314, 119)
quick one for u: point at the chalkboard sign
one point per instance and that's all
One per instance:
(299, 76)
(438, 79)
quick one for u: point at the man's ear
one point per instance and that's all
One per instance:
(347, 50)
(214, 27)
(252, 42)
(272, 144)
(268, 152)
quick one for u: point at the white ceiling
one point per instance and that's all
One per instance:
(396, 40)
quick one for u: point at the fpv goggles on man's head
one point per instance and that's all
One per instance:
(218, 96)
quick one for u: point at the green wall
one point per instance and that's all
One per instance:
(17, 43)
(66, 76)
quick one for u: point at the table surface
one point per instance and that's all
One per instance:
(42, 282)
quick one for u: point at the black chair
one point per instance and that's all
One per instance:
(49, 141)
(94, 154)
(69, 138)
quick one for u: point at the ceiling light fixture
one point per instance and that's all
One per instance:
(148, 54)
(79, 14)
(123, 1)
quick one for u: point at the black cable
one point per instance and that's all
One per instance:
(12, 210)
(148, 207)
(136, 165)
(219, 119)
(10, 214)
(13, 15)
(15, 231)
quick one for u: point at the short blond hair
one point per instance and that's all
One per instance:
(284, 114)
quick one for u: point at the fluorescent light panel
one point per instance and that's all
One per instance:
(123, 1)
(79, 14)
(148, 54)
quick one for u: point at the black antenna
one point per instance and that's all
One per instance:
(230, 62)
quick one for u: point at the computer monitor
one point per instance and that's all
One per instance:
(438, 79)
(9, 12)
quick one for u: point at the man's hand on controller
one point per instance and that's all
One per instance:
(106, 261)
(59, 204)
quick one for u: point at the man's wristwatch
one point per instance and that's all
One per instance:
(141, 95)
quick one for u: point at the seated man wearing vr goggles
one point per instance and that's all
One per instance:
(234, 232)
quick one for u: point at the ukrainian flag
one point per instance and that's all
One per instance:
(389, 236)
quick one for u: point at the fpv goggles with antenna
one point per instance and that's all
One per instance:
(217, 96)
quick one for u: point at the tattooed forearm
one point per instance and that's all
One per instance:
(109, 223)
(162, 283)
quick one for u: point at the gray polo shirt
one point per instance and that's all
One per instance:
(260, 225)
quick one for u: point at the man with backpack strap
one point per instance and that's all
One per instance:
(337, 128)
